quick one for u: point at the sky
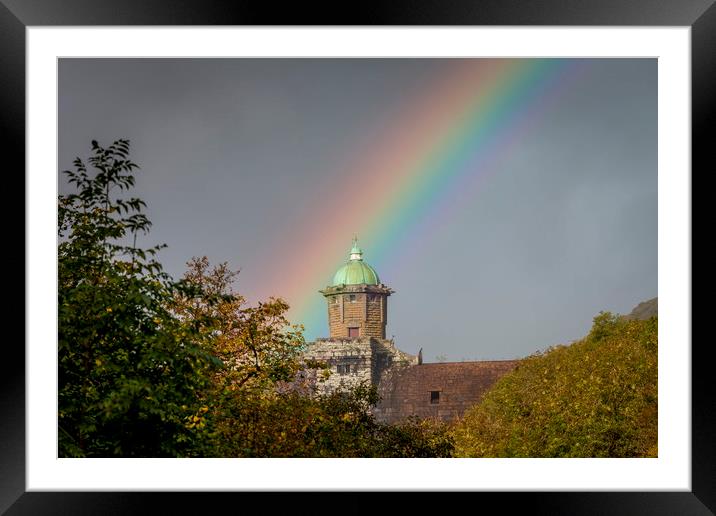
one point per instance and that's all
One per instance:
(506, 201)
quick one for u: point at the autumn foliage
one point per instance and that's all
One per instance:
(260, 405)
(594, 398)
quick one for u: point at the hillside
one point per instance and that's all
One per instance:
(644, 310)
(594, 398)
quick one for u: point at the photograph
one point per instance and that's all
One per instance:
(421, 252)
(357, 257)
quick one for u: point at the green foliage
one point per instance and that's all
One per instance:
(129, 369)
(595, 398)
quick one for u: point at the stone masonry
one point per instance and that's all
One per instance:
(364, 307)
(441, 390)
(355, 360)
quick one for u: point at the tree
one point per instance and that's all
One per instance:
(258, 405)
(257, 345)
(152, 367)
(129, 368)
(594, 398)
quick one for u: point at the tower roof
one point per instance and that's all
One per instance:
(355, 271)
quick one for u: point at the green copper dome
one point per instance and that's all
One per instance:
(356, 271)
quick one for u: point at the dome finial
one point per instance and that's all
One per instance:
(355, 271)
(356, 252)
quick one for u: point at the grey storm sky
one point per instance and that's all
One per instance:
(232, 150)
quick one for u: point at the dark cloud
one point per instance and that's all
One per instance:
(232, 149)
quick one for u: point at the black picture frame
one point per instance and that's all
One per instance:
(16, 15)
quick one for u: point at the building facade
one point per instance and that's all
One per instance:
(357, 351)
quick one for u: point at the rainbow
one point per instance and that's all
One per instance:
(443, 142)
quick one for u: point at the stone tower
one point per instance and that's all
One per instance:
(356, 350)
(357, 300)
(357, 353)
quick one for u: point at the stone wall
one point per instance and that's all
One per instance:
(387, 356)
(404, 386)
(355, 360)
(354, 313)
(375, 315)
(355, 353)
(367, 311)
(406, 391)
(336, 327)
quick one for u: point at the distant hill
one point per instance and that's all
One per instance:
(644, 310)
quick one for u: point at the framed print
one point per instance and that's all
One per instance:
(39, 38)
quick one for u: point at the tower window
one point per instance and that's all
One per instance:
(353, 332)
(352, 298)
(434, 397)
